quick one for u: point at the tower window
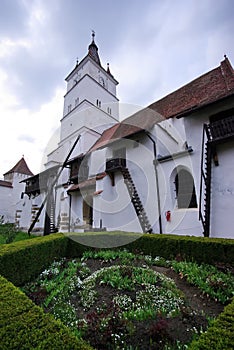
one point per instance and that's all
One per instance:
(185, 190)
(77, 101)
(98, 103)
(69, 108)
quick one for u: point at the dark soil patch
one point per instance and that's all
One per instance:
(196, 300)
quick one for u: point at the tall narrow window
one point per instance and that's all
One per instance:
(69, 108)
(76, 101)
(185, 190)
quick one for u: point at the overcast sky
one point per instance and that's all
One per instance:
(153, 46)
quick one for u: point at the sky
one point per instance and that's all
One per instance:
(153, 47)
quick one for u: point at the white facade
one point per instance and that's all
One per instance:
(161, 159)
(14, 208)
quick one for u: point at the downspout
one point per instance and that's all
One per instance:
(157, 182)
(69, 215)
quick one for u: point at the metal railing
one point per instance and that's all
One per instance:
(221, 129)
(115, 164)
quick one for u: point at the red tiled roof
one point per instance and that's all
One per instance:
(87, 183)
(21, 168)
(208, 88)
(84, 184)
(6, 183)
(140, 121)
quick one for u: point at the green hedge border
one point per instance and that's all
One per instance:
(220, 335)
(21, 261)
(23, 325)
(199, 249)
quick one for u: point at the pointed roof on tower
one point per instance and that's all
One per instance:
(93, 50)
(94, 56)
(21, 168)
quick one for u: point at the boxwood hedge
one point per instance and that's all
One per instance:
(220, 335)
(24, 326)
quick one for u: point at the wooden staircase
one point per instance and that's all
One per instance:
(217, 132)
(205, 182)
(50, 226)
(136, 201)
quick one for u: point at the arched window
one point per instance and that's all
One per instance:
(185, 190)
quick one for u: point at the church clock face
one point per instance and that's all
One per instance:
(101, 81)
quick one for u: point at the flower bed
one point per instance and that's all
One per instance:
(117, 300)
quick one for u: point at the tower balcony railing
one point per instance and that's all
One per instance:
(36, 185)
(221, 130)
(115, 164)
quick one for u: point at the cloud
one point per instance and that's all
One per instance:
(179, 41)
(26, 138)
(153, 47)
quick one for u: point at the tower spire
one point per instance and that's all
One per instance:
(93, 35)
(93, 50)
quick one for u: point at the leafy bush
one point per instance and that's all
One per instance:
(8, 233)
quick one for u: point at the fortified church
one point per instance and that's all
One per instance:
(168, 168)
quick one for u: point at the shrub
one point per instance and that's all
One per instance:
(199, 249)
(220, 335)
(24, 325)
(22, 261)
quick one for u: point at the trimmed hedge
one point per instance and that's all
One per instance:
(220, 335)
(199, 249)
(23, 325)
(21, 261)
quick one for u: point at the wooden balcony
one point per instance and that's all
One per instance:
(79, 170)
(221, 130)
(39, 183)
(115, 164)
(35, 185)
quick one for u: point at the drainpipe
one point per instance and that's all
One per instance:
(157, 182)
(69, 216)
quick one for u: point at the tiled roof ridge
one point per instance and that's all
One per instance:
(20, 167)
(4, 183)
(208, 88)
(227, 73)
(205, 89)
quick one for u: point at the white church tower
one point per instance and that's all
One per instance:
(90, 105)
